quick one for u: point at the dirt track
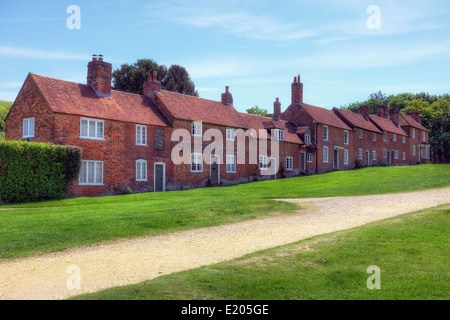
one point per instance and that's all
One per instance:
(133, 261)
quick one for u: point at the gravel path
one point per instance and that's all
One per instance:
(132, 261)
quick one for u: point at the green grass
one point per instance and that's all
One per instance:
(34, 228)
(411, 251)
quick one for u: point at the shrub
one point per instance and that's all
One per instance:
(31, 171)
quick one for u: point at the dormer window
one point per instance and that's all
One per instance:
(279, 134)
(307, 138)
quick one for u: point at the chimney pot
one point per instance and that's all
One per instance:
(94, 57)
(99, 76)
(277, 109)
(296, 91)
(100, 57)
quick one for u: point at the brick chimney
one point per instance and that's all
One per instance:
(364, 110)
(277, 109)
(152, 85)
(227, 98)
(394, 115)
(296, 91)
(382, 111)
(99, 76)
(415, 115)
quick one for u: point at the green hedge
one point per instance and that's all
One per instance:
(32, 171)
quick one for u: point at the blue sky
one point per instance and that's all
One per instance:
(255, 47)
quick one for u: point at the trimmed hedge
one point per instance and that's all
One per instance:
(32, 171)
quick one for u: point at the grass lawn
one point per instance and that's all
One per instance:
(34, 228)
(411, 251)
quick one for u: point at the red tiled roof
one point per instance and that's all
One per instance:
(357, 120)
(192, 108)
(407, 120)
(387, 125)
(325, 116)
(80, 99)
(258, 123)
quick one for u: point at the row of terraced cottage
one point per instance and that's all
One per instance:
(126, 138)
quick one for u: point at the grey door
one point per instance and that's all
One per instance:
(159, 177)
(336, 159)
(215, 171)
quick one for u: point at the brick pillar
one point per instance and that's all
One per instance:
(394, 115)
(364, 110)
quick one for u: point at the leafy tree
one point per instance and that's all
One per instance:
(131, 77)
(258, 111)
(4, 109)
(178, 80)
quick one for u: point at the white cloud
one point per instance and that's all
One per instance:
(33, 53)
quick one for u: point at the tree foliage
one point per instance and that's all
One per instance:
(5, 106)
(131, 77)
(258, 111)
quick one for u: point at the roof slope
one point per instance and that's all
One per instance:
(260, 123)
(80, 99)
(357, 120)
(387, 125)
(407, 120)
(191, 108)
(325, 116)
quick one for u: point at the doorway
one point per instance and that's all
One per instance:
(214, 171)
(160, 177)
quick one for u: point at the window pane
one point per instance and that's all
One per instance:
(99, 172)
(90, 172)
(100, 129)
(92, 129)
(83, 172)
(84, 128)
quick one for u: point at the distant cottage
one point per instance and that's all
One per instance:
(126, 138)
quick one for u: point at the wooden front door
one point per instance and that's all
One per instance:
(214, 173)
(302, 161)
(336, 159)
(160, 177)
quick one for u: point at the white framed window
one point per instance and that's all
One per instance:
(91, 173)
(403, 156)
(394, 137)
(374, 155)
(360, 154)
(141, 135)
(307, 138)
(325, 154)
(384, 136)
(231, 134)
(414, 150)
(413, 133)
(289, 163)
(196, 129)
(360, 133)
(403, 140)
(385, 153)
(92, 129)
(196, 162)
(396, 154)
(309, 157)
(423, 136)
(325, 133)
(346, 137)
(345, 156)
(262, 162)
(28, 128)
(279, 134)
(141, 170)
(231, 163)
(374, 137)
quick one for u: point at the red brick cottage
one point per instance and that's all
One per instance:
(136, 141)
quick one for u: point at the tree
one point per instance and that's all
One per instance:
(5, 106)
(178, 80)
(131, 77)
(258, 111)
